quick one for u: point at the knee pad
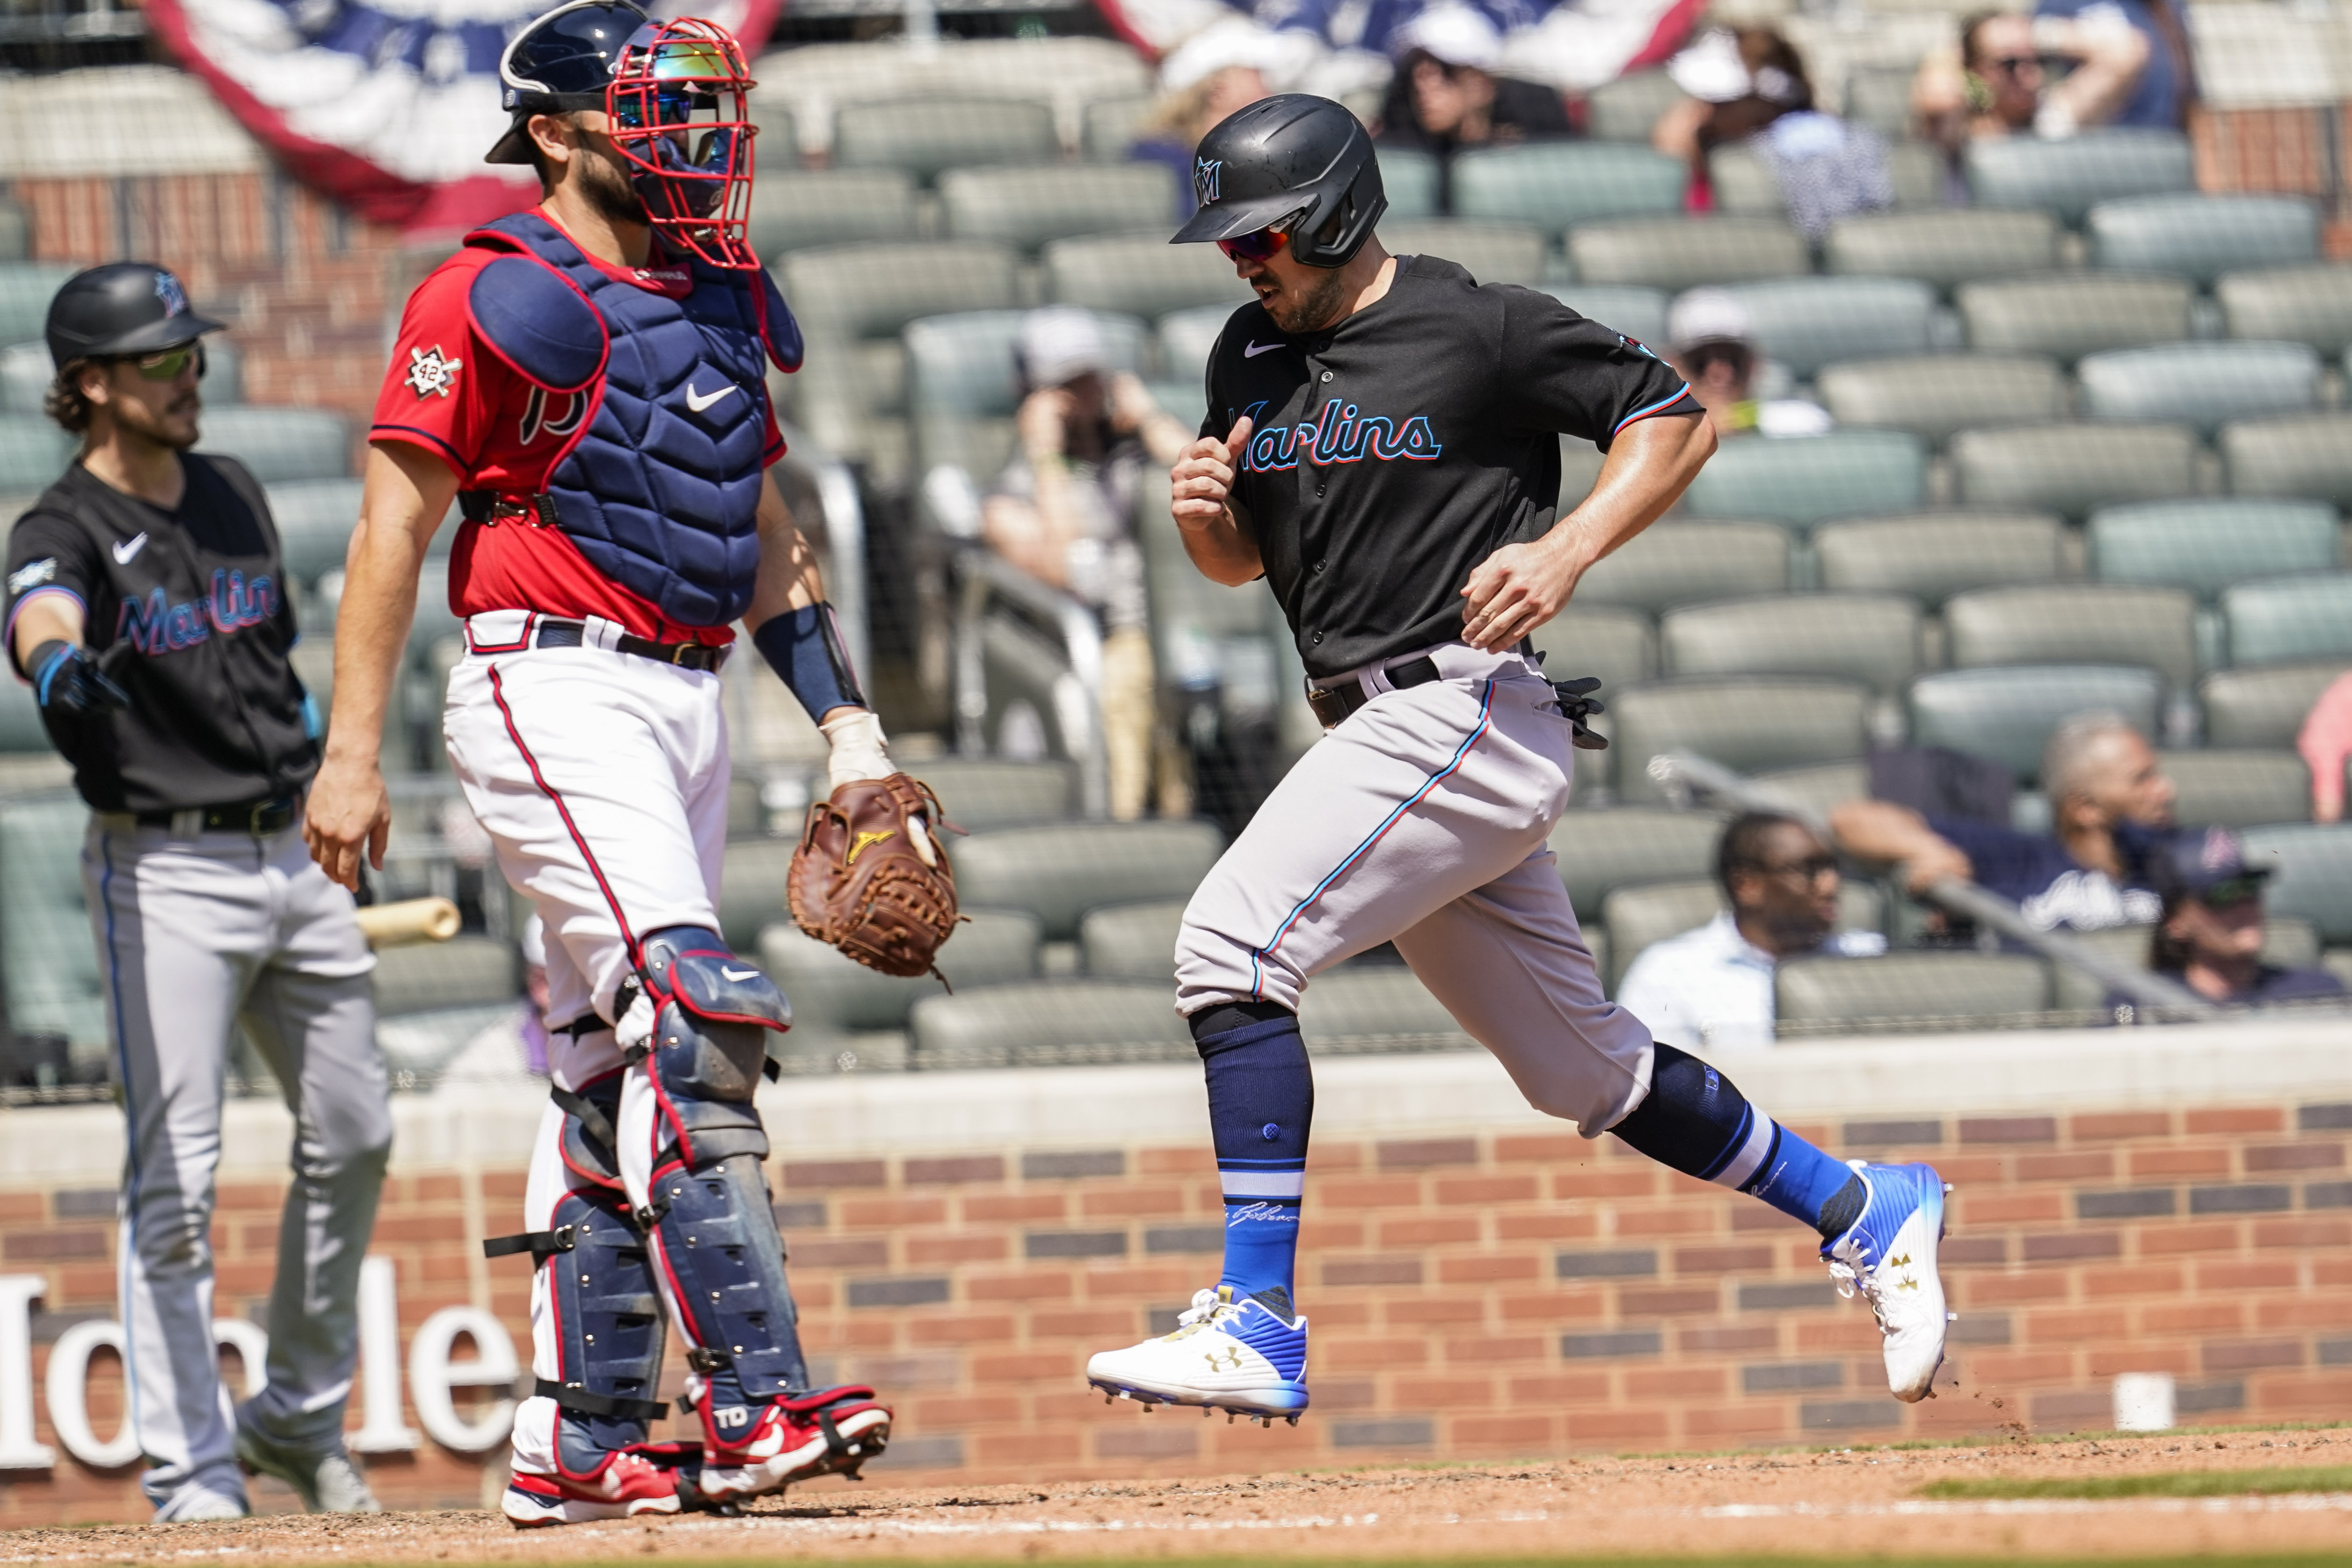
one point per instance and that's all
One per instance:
(712, 1012)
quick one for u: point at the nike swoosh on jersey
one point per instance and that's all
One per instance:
(1253, 350)
(129, 548)
(699, 401)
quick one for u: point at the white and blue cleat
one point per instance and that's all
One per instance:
(1888, 1254)
(1244, 1355)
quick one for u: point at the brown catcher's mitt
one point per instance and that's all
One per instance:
(859, 882)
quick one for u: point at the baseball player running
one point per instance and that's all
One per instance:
(587, 381)
(147, 609)
(1382, 446)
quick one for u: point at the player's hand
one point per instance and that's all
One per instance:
(1202, 479)
(67, 678)
(1932, 862)
(1514, 591)
(349, 814)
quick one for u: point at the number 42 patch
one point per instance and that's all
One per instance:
(429, 372)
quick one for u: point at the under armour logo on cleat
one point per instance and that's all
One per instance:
(1902, 1262)
(1223, 1361)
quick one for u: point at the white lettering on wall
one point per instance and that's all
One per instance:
(70, 1410)
(382, 1431)
(17, 1449)
(432, 1374)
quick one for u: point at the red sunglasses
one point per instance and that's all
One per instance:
(1255, 246)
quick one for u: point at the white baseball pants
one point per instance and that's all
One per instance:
(1421, 819)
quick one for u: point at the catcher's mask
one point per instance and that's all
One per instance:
(681, 118)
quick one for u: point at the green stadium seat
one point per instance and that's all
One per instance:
(926, 137)
(1748, 724)
(1807, 322)
(1821, 787)
(1027, 207)
(1678, 253)
(49, 964)
(315, 519)
(1059, 872)
(2068, 315)
(1409, 180)
(1131, 941)
(1936, 396)
(2203, 237)
(2289, 620)
(2312, 874)
(802, 209)
(982, 793)
(1611, 641)
(1050, 1023)
(2205, 545)
(2006, 713)
(1945, 249)
(1939, 990)
(2201, 385)
(281, 445)
(25, 372)
(2073, 469)
(1930, 557)
(1745, 186)
(1554, 185)
(1880, 98)
(1640, 313)
(25, 290)
(2069, 177)
(1493, 252)
(1375, 1006)
(1812, 478)
(2264, 707)
(777, 149)
(32, 453)
(15, 232)
(832, 992)
(1873, 638)
(1141, 275)
(2290, 455)
(2075, 623)
(1112, 125)
(2298, 304)
(963, 366)
(1626, 109)
(1685, 562)
(2238, 788)
(21, 731)
(1187, 338)
(1600, 851)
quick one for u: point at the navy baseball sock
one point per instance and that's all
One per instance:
(1695, 1121)
(1261, 1099)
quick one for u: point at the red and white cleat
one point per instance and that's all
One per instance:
(792, 1437)
(627, 1484)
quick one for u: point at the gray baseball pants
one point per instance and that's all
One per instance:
(197, 932)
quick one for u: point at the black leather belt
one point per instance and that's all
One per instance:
(1333, 704)
(258, 818)
(688, 654)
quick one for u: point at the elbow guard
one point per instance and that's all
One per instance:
(805, 647)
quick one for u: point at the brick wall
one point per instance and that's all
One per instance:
(1503, 1294)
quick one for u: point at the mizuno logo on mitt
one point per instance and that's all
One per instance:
(865, 841)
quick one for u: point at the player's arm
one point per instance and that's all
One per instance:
(406, 493)
(1215, 526)
(1881, 830)
(46, 620)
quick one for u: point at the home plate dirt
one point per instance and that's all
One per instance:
(1844, 1504)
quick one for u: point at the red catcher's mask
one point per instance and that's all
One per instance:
(680, 117)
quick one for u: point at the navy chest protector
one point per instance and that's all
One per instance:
(660, 490)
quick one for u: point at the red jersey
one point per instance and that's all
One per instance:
(447, 393)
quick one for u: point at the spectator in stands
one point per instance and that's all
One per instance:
(1064, 511)
(2326, 743)
(1446, 95)
(2159, 96)
(2111, 809)
(1220, 71)
(1751, 86)
(1712, 987)
(1714, 349)
(1995, 84)
(2210, 935)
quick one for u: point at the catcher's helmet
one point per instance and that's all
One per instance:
(562, 60)
(122, 308)
(1293, 156)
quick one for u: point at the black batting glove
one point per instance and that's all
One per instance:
(68, 679)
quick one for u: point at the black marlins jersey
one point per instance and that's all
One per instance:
(1392, 453)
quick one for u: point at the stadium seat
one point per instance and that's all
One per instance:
(1807, 322)
(1873, 638)
(2298, 304)
(1131, 941)
(1141, 275)
(1642, 915)
(1679, 563)
(25, 290)
(1626, 109)
(1599, 851)
(2073, 467)
(1947, 990)
(21, 731)
(1745, 186)
(1112, 125)
(1611, 641)
(1639, 313)
(1746, 722)
(281, 445)
(1409, 180)
(1027, 207)
(2238, 788)
(1554, 185)
(1800, 482)
(1493, 252)
(2202, 236)
(832, 991)
(32, 453)
(1059, 872)
(2200, 385)
(1374, 1007)
(980, 793)
(315, 519)
(2068, 315)
(1935, 397)
(46, 959)
(2205, 545)
(2006, 713)
(778, 149)
(1187, 338)
(1945, 249)
(2312, 874)
(2290, 455)
(1821, 787)
(468, 971)
(800, 209)
(963, 386)
(928, 136)
(2070, 177)
(16, 231)
(2264, 707)
(2085, 623)
(2289, 620)
(25, 372)
(1050, 1023)
(1678, 253)
(1880, 98)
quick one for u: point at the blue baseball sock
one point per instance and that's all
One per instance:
(1261, 1101)
(1695, 1121)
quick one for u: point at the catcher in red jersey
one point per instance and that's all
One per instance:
(587, 382)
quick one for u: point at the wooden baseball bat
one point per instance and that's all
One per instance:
(408, 921)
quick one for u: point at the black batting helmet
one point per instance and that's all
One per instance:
(562, 60)
(122, 308)
(1293, 156)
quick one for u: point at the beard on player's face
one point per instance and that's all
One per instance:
(1300, 298)
(604, 182)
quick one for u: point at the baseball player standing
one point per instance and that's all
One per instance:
(587, 380)
(147, 607)
(1382, 446)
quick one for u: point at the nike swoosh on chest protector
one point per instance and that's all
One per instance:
(699, 401)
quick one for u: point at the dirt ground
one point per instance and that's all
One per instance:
(1845, 1505)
